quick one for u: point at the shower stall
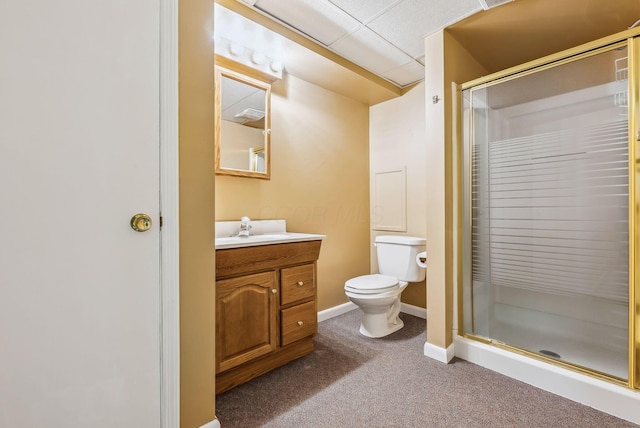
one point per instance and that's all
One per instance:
(549, 209)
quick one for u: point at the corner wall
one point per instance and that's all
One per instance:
(197, 305)
(319, 180)
(446, 62)
(397, 139)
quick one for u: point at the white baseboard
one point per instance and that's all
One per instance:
(439, 354)
(601, 395)
(212, 424)
(336, 310)
(416, 311)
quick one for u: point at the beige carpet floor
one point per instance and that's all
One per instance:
(352, 381)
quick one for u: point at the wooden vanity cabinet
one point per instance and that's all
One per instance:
(266, 312)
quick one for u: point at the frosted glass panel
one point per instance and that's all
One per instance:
(547, 209)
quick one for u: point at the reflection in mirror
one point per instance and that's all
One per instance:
(257, 159)
(242, 125)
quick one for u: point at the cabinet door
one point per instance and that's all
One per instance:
(246, 309)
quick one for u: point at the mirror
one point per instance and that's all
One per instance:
(242, 125)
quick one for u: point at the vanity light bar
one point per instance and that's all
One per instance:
(249, 57)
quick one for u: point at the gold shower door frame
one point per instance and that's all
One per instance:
(630, 39)
(634, 214)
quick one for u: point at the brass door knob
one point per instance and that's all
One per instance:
(141, 222)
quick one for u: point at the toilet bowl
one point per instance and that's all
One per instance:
(380, 306)
(378, 295)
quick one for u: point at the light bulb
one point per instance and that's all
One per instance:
(236, 49)
(258, 58)
(276, 66)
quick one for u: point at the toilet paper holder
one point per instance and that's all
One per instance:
(421, 259)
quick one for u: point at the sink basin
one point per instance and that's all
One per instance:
(264, 239)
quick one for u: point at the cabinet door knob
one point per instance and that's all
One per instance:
(300, 283)
(274, 291)
(300, 323)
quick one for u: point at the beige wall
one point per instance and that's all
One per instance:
(319, 180)
(197, 317)
(397, 140)
(436, 237)
(447, 62)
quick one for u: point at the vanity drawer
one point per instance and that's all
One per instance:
(297, 283)
(298, 322)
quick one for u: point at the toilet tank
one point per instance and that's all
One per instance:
(397, 256)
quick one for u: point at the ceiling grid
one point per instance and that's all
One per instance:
(382, 36)
(385, 38)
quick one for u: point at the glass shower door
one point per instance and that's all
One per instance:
(546, 211)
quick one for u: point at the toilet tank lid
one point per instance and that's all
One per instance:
(402, 240)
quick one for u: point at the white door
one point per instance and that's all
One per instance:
(79, 289)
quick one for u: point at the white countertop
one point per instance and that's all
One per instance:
(263, 232)
(266, 239)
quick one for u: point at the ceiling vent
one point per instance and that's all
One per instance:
(488, 4)
(250, 114)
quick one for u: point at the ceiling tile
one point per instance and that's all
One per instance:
(234, 92)
(318, 19)
(363, 11)
(407, 23)
(239, 96)
(406, 74)
(367, 49)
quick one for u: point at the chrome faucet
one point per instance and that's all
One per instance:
(245, 227)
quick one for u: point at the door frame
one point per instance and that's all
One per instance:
(169, 237)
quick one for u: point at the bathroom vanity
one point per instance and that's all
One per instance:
(266, 314)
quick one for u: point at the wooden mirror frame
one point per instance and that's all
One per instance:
(244, 74)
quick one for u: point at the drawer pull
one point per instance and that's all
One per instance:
(300, 323)
(274, 291)
(300, 283)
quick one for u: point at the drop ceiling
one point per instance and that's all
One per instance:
(235, 23)
(373, 50)
(385, 37)
(241, 103)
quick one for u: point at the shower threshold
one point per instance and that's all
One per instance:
(594, 356)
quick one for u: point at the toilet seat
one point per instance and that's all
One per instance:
(371, 284)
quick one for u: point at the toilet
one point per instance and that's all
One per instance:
(400, 261)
